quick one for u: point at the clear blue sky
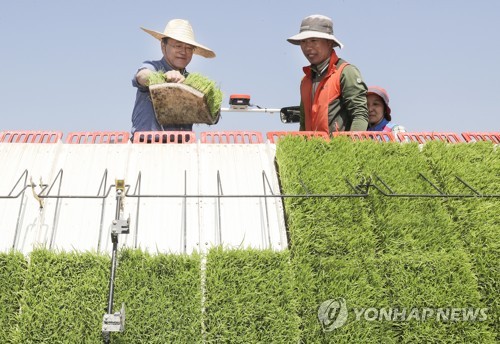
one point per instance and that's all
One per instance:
(67, 65)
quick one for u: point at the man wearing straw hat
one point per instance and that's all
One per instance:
(333, 94)
(177, 46)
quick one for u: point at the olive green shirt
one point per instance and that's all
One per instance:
(349, 112)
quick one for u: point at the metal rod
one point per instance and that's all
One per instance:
(250, 110)
(114, 240)
(432, 184)
(25, 174)
(112, 275)
(357, 188)
(137, 186)
(304, 186)
(56, 211)
(268, 230)
(252, 196)
(383, 183)
(184, 215)
(220, 194)
(60, 175)
(267, 182)
(470, 187)
(103, 206)
(18, 222)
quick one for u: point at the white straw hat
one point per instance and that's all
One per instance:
(181, 30)
(315, 26)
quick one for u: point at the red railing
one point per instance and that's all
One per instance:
(481, 136)
(231, 137)
(98, 137)
(383, 136)
(164, 137)
(423, 137)
(30, 136)
(243, 137)
(274, 136)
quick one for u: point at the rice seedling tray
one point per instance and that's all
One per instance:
(176, 103)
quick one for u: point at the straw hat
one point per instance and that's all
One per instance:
(181, 30)
(315, 26)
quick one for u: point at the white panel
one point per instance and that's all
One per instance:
(243, 220)
(162, 224)
(178, 210)
(37, 160)
(88, 170)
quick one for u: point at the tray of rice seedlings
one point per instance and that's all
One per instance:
(13, 267)
(196, 100)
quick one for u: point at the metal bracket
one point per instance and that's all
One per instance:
(121, 226)
(114, 322)
(40, 201)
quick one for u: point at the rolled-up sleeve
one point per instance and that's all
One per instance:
(141, 88)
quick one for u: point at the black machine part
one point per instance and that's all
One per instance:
(290, 114)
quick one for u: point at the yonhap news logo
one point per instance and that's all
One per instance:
(333, 314)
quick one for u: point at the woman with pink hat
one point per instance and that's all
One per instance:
(379, 112)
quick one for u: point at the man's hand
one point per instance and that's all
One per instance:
(174, 76)
(142, 76)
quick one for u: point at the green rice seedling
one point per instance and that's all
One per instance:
(416, 226)
(157, 77)
(354, 280)
(213, 94)
(64, 298)
(12, 274)
(250, 297)
(331, 238)
(475, 219)
(162, 296)
(439, 281)
(405, 223)
(407, 226)
(323, 226)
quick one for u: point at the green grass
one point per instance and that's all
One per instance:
(155, 78)
(162, 296)
(351, 232)
(358, 281)
(416, 224)
(323, 226)
(12, 275)
(333, 242)
(433, 280)
(475, 220)
(63, 299)
(250, 297)
(213, 94)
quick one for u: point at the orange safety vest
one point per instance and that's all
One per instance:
(316, 110)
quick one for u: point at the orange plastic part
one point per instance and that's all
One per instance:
(481, 136)
(423, 137)
(382, 136)
(78, 137)
(29, 136)
(274, 136)
(231, 137)
(164, 137)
